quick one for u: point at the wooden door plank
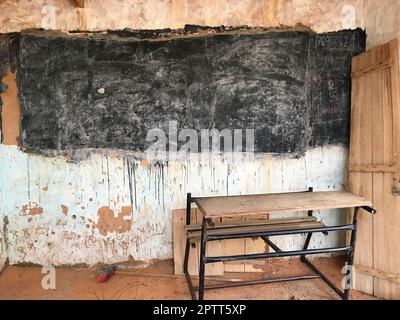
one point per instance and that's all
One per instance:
(377, 67)
(373, 168)
(376, 121)
(361, 183)
(393, 48)
(386, 234)
(395, 277)
(376, 71)
(386, 185)
(388, 134)
(355, 125)
(361, 155)
(366, 126)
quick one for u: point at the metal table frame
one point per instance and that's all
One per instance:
(278, 253)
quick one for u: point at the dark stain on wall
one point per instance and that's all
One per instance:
(106, 91)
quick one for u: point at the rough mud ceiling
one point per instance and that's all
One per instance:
(320, 15)
(291, 86)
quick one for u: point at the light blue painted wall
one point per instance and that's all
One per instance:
(103, 179)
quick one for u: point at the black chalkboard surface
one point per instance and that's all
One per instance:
(107, 91)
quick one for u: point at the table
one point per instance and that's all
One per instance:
(215, 208)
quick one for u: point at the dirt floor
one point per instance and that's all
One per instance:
(158, 282)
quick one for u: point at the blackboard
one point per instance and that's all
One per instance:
(106, 91)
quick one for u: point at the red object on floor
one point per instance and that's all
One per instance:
(106, 274)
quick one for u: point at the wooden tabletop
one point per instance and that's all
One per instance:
(214, 207)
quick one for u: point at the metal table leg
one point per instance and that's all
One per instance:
(350, 261)
(203, 245)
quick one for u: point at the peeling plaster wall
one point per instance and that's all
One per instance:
(54, 212)
(52, 205)
(320, 15)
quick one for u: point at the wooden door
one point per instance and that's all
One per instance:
(374, 168)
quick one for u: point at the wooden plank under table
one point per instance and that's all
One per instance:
(229, 206)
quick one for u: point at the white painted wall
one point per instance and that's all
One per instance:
(3, 249)
(102, 180)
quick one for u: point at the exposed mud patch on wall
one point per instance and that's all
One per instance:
(108, 222)
(31, 209)
(10, 111)
(64, 210)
